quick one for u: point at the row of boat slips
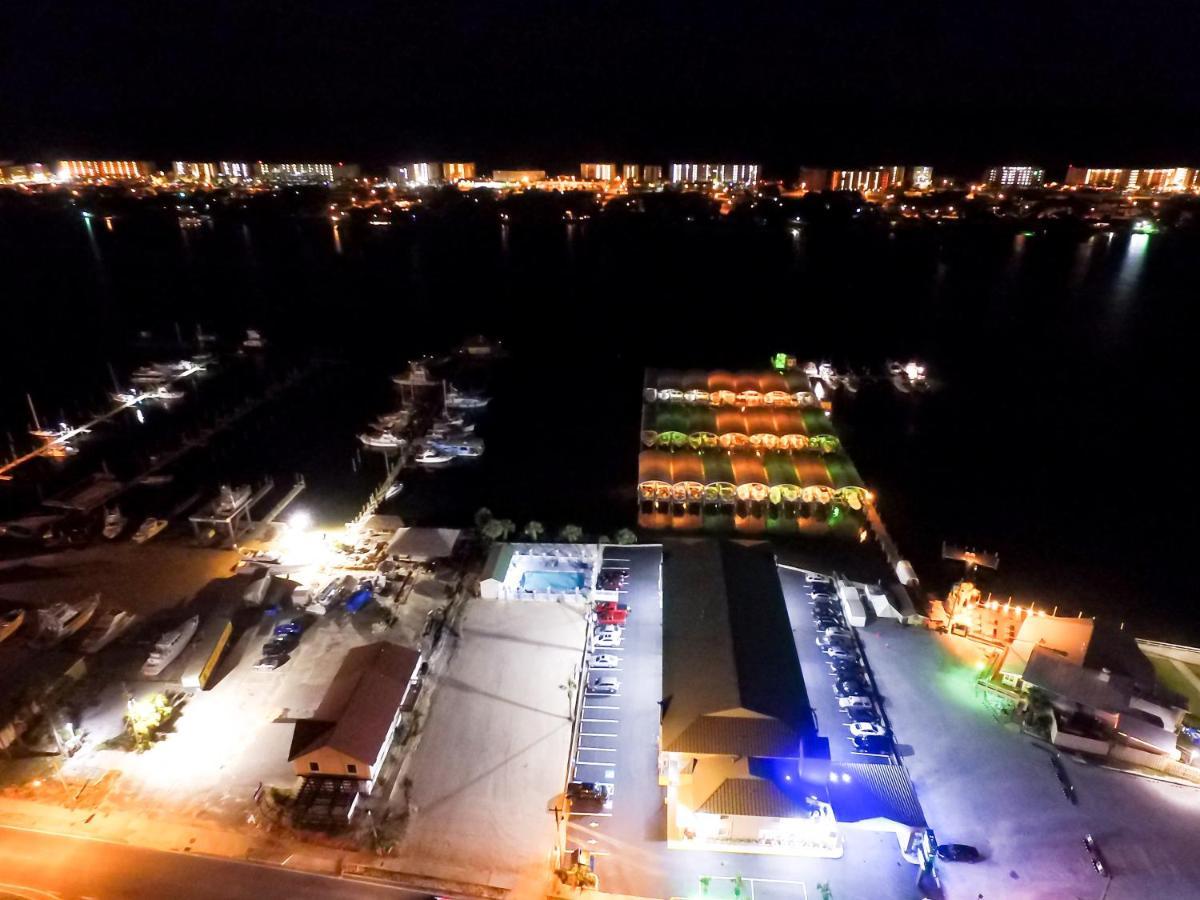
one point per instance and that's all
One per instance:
(719, 388)
(775, 477)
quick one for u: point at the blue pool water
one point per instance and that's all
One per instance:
(553, 581)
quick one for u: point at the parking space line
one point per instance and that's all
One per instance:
(596, 815)
(604, 765)
(587, 705)
(599, 749)
(597, 733)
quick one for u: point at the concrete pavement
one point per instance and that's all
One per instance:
(83, 867)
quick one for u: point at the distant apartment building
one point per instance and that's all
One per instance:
(458, 171)
(1159, 181)
(240, 171)
(89, 169)
(304, 173)
(872, 180)
(1014, 176)
(652, 174)
(34, 173)
(423, 174)
(519, 176)
(632, 173)
(745, 174)
(597, 171)
(200, 172)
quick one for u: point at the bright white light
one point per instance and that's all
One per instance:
(300, 519)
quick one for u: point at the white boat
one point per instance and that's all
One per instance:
(126, 398)
(445, 429)
(383, 440)
(54, 434)
(114, 523)
(149, 529)
(164, 393)
(455, 400)
(467, 446)
(254, 340)
(59, 621)
(169, 646)
(229, 500)
(395, 488)
(431, 456)
(109, 625)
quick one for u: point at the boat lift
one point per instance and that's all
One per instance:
(233, 524)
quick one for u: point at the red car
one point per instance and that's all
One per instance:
(612, 616)
(607, 605)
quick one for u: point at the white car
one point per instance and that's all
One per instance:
(814, 578)
(607, 639)
(856, 703)
(605, 661)
(836, 652)
(867, 729)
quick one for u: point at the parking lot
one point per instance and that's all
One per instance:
(628, 833)
(820, 677)
(982, 782)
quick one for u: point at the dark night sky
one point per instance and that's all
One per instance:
(953, 82)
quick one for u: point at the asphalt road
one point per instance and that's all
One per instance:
(34, 863)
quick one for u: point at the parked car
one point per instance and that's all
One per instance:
(605, 605)
(871, 744)
(850, 687)
(293, 626)
(846, 668)
(959, 853)
(856, 703)
(281, 645)
(838, 632)
(612, 579)
(612, 616)
(867, 729)
(862, 714)
(605, 661)
(270, 662)
(587, 790)
(824, 641)
(838, 652)
(1093, 849)
(814, 578)
(823, 623)
(607, 639)
(604, 684)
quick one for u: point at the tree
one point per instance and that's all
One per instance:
(604, 539)
(507, 527)
(572, 534)
(534, 530)
(492, 530)
(826, 891)
(626, 536)
(483, 515)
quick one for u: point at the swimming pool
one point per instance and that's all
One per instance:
(561, 582)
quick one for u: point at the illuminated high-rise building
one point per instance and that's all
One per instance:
(597, 171)
(867, 181)
(652, 174)
(714, 173)
(200, 172)
(1014, 176)
(1162, 181)
(458, 171)
(117, 169)
(519, 176)
(34, 173)
(240, 171)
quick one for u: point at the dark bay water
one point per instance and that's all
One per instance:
(1060, 435)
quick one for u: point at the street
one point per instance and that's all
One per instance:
(32, 862)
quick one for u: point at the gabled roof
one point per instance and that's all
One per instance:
(1088, 687)
(861, 791)
(729, 659)
(360, 705)
(424, 543)
(752, 797)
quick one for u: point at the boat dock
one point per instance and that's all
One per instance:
(55, 445)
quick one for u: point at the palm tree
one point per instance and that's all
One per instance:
(534, 530)
(572, 534)
(483, 515)
(508, 526)
(492, 530)
(626, 536)
(604, 539)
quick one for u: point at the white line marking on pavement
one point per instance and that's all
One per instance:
(596, 706)
(596, 733)
(608, 721)
(599, 749)
(585, 815)
(606, 765)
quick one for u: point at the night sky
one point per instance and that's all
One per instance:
(951, 82)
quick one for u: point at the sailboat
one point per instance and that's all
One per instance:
(114, 523)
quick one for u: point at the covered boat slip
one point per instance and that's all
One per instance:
(676, 426)
(743, 389)
(749, 491)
